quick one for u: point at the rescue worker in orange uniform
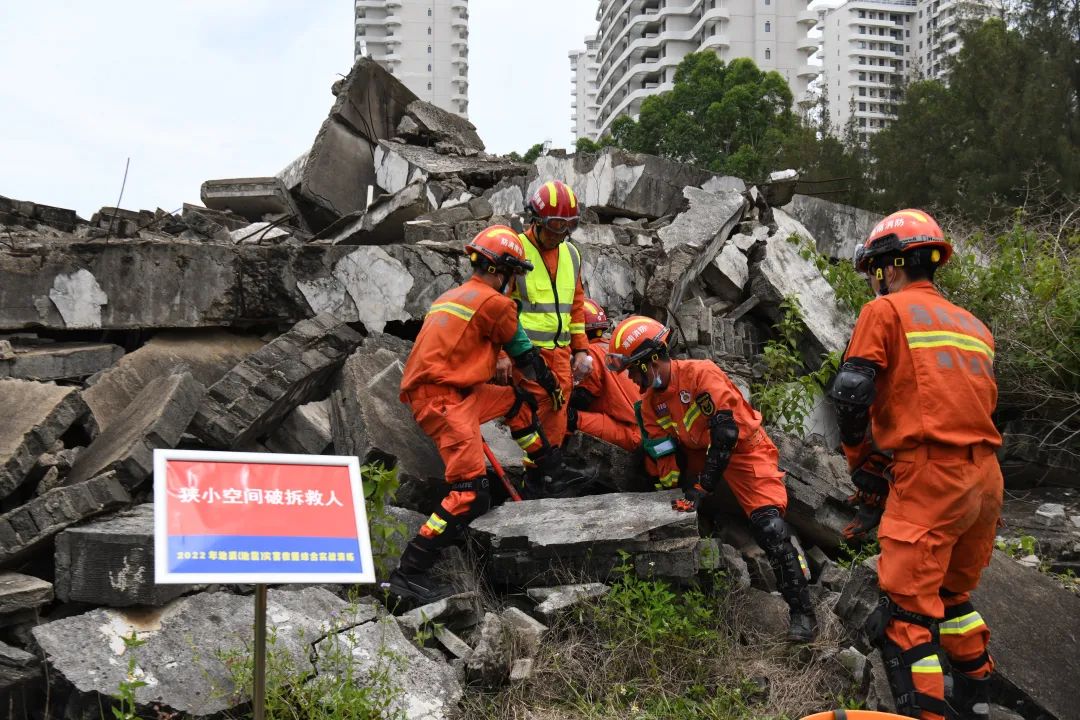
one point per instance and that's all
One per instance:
(917, 384)
(445, 383)
(700, 429)
(602, 405)
(551, 310)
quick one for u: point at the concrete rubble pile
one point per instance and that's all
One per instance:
(277, 317)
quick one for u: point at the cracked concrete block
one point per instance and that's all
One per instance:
(59, 361)
(553, 600)
(254, 397)
(17, 668)
(818, 485)
(259, 233)
(398, 165)
(431, 125)
(20, 592)
(836, 229)
(111, 562)
(457, 612)
(369, 421)
(29, 526)
(78, 298)
(252, 198)
(382, 223)
(533, 542)
(489, 663)
(526, 631)
(35, 416)
(304, 431)
(207, 355)
(727, 275)
(156, 418)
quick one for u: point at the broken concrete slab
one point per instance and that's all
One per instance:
(836, 229)
(779, 188)
(369, 421)
(36, 415)
(535, 541)
(29, 214)
(383, 222)
(304, 431)
(17, 667)
(526, 632)
(184, 641)
(156, 418)
(457, 612)
(207, 355)
(431, 125)
(252, 399)
(617, 182)
(706, 215)
(818, 485)
(397, 165)
(111, 562)
(613, 468)
(489, 663)
(59, 361)
(727, 275)
(428, 689)
(256, 199)
(34, 523)
(553, 600)
(613, 277)
(778, 271)
(259, 233)
(20, 592)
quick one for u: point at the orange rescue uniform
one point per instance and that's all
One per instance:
(558, 359)
(610, 415)
(680, 414)
(935, 392)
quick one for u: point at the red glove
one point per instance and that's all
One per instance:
(871, 489)
(692, 498)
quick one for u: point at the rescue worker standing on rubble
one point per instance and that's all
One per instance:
(917, 382)
(602, 404)
(445, 383)
(551, 309)
(699, 430)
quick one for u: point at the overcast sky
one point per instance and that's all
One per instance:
(205, 89)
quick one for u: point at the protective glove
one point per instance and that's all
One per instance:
(871, 489)
(531, 363)
(571, 419)
(691, 500)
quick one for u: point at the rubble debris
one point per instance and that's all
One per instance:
(1051, 515)
(111, 562)
(836, 229)
(615, 469)
(260, 233)
(58, 361)
(522, 669)
(383, 222)
(206, 354)
(397, 165)
(449, 133)
(457, 612)
(156, 418)
(304, 431)
(30, 525)
(369, 421)
(707, 215)
(453, 644)
(527, 633)
(29, 214)
(489, 663)
(20, 592)
(253, 397)
(1038, 453)
(89, 652)
(532, 542)
(727, 275)
(427, 689)
(256, 199)
(553, 600)
(17, 667)
(36, 415)
(780, 187)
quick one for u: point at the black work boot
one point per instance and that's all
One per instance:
(970, 697)
(412, 584)
(804, 625)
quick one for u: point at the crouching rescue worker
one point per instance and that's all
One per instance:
(699, 429)
(552, 315)
(917, 381)
(602, 404)
(445, 383)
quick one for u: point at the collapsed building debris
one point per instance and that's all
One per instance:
(279, 317)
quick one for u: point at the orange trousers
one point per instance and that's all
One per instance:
(552, 421)
(937, 534)
(599, 425)
(452, 419)
(753, 474)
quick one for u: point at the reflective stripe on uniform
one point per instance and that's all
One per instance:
(665, 422)
(670, 480)
(577, 328)
(452, 308)
(961, 625)
(547, 339)
(528, 441)
(691, 415)
(436, 524)
(545, 305)
(929, 664)
(945, 338)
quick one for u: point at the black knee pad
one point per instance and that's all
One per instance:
(769, 529)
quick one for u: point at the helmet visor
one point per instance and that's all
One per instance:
(559, 225)
(617, 362)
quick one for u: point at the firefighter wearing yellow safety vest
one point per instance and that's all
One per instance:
(551, 313)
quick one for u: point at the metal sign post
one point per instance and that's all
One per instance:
(259, 689)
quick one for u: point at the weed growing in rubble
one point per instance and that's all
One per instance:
(850, 286)
(850, 556)
(131, 683)
(388, 533)
(786, 394)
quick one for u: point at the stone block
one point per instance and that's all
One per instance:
(253, 398)
(304, 431)
(35, 416)
(836, 229)
(398, 165)
(453, 644)
(457, 612)
(19, 593)
(1050, 515)
(59, 361)
(29, 214)
(533, 542)
(17, 668)
(553, 600)
(383, 222)
(818, 486)
(156, 418)
(26, 528)
(368, 420)
(256, 199)
(446, 131)
(489, 663)
(727, 275)
(111, 562)
(526, 631)
(261, 233)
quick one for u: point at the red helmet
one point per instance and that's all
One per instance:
(596, 320)
(500, 249)
(903, 232)
(555, 206)
(637, 340)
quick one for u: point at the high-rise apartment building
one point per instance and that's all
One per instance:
(583, 73)
(423, 44)
(639, 43)
(871, 48)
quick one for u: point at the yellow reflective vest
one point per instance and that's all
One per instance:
(545, 305)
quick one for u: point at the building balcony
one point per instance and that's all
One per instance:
(370, 4)
(808, 45)
(807, 17)
(391, 4)
(459, 42)
(629, 104)
(460, 97)
(459, 23)
(459, 5)
(387, 58)
(714, 42)
(809, 71)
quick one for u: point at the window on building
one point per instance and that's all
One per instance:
(768, 2)
(429, 86)
(862, 76)
(429, 67)
(862, 105)
(768, 26)
(429, 12)
(862, 91)
(862, 29)
(862, 13)
(862, 122)
(429, 31)
(907, 33)
(428, 49)
(768, 53)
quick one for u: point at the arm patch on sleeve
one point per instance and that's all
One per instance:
(705, 404)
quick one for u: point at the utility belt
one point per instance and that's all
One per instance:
(936, 451)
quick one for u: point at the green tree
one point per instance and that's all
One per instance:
(530, 155)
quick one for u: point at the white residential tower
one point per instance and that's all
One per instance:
(424, 44)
